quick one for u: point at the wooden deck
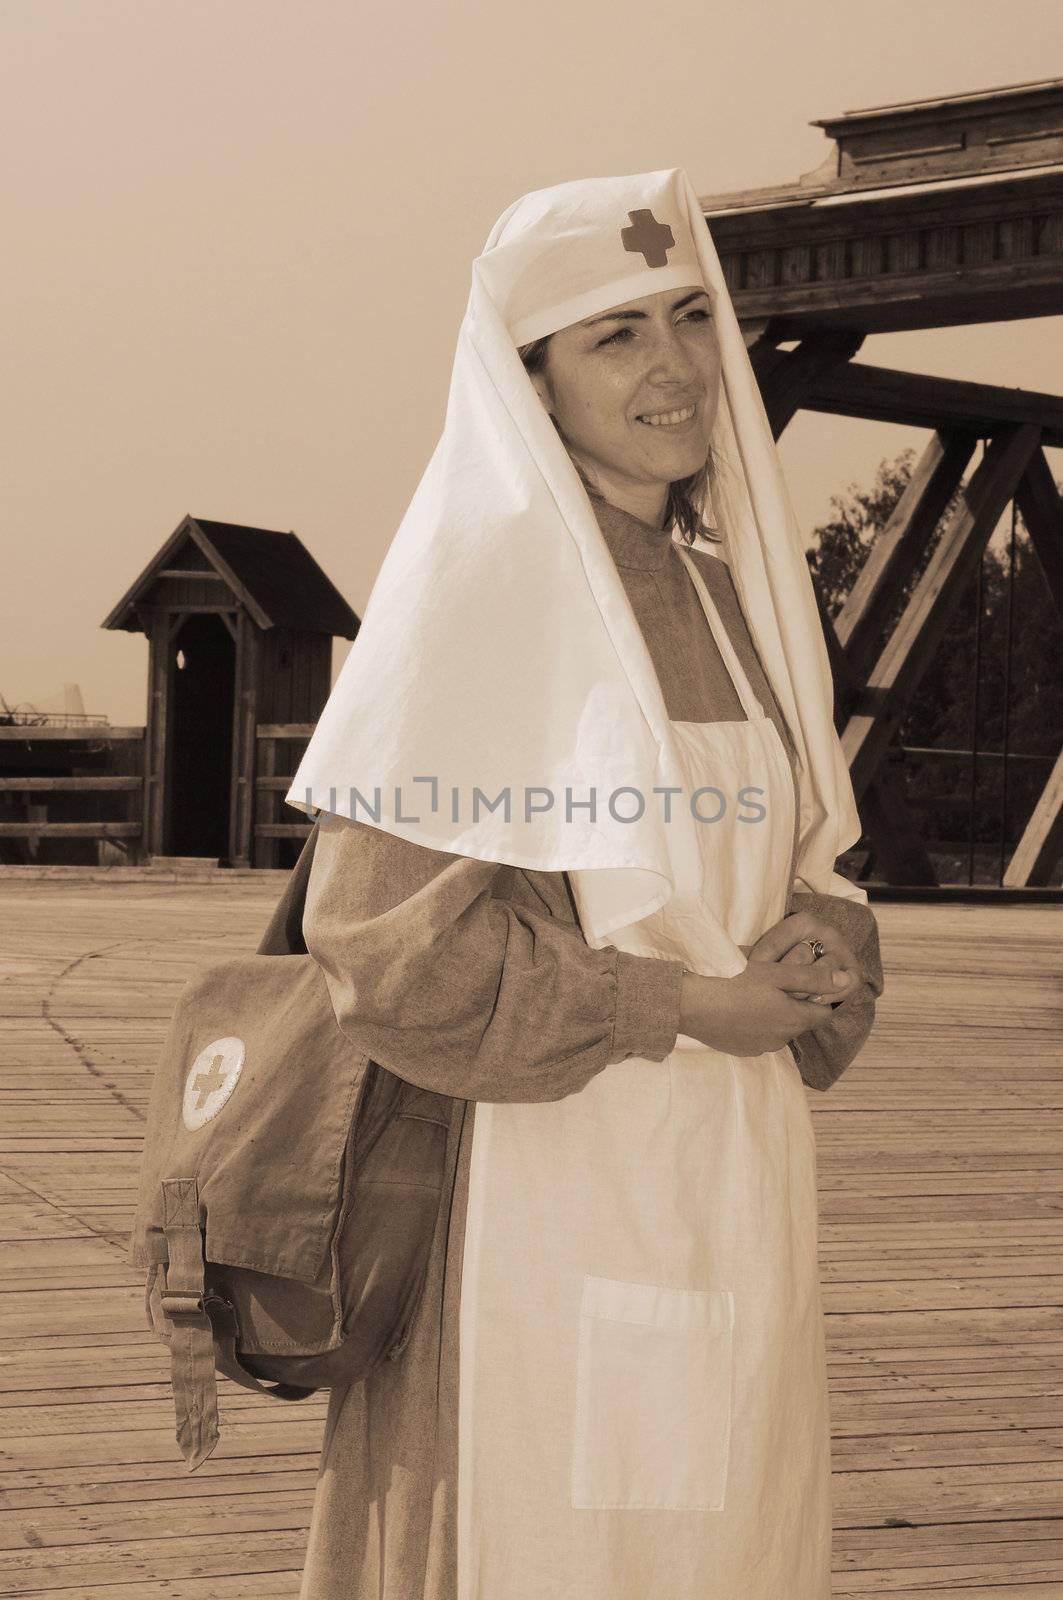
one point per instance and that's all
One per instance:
(941, 1178)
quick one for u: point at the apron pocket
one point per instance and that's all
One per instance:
(653, 1397)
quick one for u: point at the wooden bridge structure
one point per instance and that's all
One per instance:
(924, 215)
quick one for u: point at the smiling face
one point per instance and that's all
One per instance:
(633, 392)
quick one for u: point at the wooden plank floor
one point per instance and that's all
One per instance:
(941, 1182)
(941, 1220)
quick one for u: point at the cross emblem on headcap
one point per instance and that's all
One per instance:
(648, 237)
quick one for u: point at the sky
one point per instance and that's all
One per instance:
(239, 235)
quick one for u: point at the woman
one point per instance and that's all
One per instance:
(615, 1381)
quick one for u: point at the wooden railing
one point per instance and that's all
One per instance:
(278, 749)
(127, 830)
(271, 787)
(278, 745)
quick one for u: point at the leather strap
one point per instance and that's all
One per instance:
(226, 1332)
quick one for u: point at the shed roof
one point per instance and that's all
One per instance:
(272, 574)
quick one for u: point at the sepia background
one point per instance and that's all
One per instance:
(239, 237)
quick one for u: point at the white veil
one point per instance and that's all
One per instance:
(498, 651)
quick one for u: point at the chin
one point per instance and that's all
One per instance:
(685, 465)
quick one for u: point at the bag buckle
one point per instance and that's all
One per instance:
(185, 1310)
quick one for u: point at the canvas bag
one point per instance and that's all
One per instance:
(289, 1186)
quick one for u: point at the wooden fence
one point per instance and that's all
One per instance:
(279, 748)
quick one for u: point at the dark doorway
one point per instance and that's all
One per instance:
(203, 675)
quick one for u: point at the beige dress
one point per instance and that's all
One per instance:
(473, 979)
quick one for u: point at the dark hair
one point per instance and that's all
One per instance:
(686, 497)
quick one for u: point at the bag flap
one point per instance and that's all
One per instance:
(253, 1097)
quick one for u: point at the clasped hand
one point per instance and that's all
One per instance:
(769, 1002)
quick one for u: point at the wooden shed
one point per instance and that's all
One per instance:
(240, 623)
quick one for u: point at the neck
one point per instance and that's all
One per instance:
(647, 501)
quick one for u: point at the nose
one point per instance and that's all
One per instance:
(671, 362)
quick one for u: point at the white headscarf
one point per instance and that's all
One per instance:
(499, 652)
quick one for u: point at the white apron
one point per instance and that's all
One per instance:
(643, 1393)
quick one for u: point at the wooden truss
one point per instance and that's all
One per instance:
(873, 687)
(933, 213)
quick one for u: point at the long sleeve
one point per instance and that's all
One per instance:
(823, 1053)
(472, 978)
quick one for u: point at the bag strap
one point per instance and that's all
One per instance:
(195, 1390)
(204, 1329)
(223, 1322)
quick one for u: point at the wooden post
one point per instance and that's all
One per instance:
(264, 851)
(149, 804)
(245, 705)
(239, 668)
(910, 649)
(157, 732)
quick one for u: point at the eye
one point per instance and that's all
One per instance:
(700, 313)
(615, 338)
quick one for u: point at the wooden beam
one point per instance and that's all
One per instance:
(819, 253)
(1041, 509)
(882, 394)
(59, 733)
(1041, 844)
(846, 684)
(753, 331)
(917, 635)
(78, 785)
(895, 302)
(69, 830)
(180, 614)
(285, 730)
(885, 815)
(752, 218)
(765, 356)
(896, 551)
(191, 572)
(786, 382)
